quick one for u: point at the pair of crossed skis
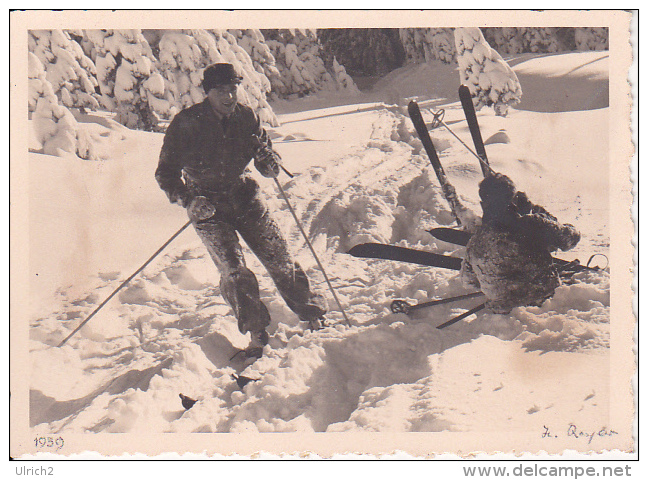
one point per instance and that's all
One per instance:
(450, 235)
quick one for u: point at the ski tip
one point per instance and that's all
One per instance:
(451, 235)
(187, 402)
(465, 96)
(360, 250)
(463, 89)
(371, 250)
(242, 381)
(352, 251)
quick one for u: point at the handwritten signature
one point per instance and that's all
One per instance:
(574, 431)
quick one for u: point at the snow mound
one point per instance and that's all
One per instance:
(491, 371)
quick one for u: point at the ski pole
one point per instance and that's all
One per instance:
(287, 172)
(310, 246)
(123, 284)
(401, 306)
(438, 120)
(260, 144)
(462, 316)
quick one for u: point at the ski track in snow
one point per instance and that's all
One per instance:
(170, 331)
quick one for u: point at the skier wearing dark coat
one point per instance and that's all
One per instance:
(203, 167)
(509, 255)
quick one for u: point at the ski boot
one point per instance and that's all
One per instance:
(258, 340)
(316, 323)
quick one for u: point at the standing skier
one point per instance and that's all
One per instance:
(203, 167)
(509, 255)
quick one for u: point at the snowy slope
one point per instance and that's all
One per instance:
(361, 176)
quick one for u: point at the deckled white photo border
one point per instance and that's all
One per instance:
(325, 445)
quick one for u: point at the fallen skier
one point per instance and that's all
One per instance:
(509, 257)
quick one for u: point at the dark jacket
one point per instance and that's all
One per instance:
(204, 155)
(509, 256)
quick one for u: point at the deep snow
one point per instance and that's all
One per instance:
(361, 176)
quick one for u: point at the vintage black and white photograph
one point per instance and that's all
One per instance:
(265, 222)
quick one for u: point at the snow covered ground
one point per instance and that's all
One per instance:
(361, 175)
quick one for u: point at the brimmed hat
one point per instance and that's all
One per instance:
(220, 74)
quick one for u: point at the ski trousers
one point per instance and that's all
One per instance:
(247, 214)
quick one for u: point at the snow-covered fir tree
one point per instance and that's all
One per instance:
(303, 65)
(364, 51)
(490, 80)
(507, 40)
(38, 85)
(295, 77)
(425, 44)
(127, 77)
(70, 72)
(542, 40)
(142, 83)
(184, 55)
(514, 40)
(253, 42)
(54, 126)
(255, 85)
(591, 38)
(182, 62)
(342, 78)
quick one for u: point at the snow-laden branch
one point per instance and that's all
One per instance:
(490, 80)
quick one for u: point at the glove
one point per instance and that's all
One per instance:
(525, 207)
(267, 162)
(180, 197)
(522, 203)
(200, 209)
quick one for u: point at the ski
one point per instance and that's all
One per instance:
(421, 129)
(473, 125)
(451, 235)
(461, 237)
(383, 251)
(407, 255)
(422, 132)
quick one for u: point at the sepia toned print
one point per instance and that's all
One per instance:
(400, 231)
